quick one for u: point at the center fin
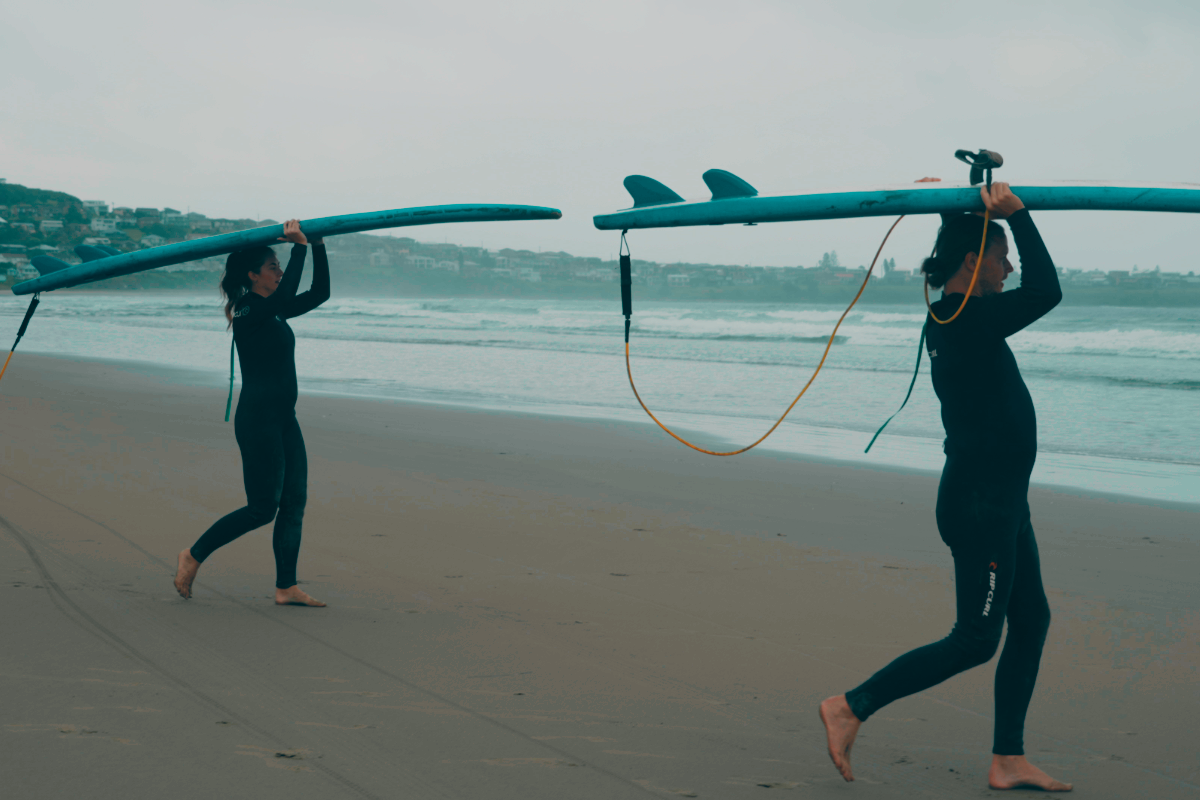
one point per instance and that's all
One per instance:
(89, 253)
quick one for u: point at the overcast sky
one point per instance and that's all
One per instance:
(314, 108)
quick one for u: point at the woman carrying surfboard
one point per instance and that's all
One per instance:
(260, 298)
(982, 506)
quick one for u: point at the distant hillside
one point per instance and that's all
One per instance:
(12, 194)
(39, 222)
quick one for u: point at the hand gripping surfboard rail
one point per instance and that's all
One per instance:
(100, 268)
(883, 201)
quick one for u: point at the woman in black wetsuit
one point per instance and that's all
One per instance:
(260, 298)
(982, 505)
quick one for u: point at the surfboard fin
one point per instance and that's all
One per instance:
(89, 253)
(47, 264)
(726, 185)
(649, 192)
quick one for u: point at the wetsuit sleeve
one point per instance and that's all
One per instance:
(317, 293)
(254, 312)
(1004, 314)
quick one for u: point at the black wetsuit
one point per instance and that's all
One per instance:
(274, 463)
(982, 505)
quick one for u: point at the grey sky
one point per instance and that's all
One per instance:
(312, 108)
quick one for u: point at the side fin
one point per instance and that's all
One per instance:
(649, 192)
(726, 185)
(89, 253)
(47, 264)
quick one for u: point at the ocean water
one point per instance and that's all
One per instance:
(1117, 390)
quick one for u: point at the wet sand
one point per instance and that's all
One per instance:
(527, 608)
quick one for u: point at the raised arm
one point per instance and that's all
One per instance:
(1004, 314)
(318, 293)
(254, 310)
(282, 297)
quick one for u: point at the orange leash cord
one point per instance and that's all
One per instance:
(974, 278)
(629, 369)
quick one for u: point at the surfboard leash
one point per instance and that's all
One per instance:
(627, 310)
(33, 304)
(987, 216)
(229, 400)
(929, 307)
(911, 384)
(982, 164)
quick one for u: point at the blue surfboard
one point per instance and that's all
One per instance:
(736, 201)
(100, 264)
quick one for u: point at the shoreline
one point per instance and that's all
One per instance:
(899, 462)
(906, 295)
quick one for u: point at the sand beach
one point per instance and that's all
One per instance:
(528, 607)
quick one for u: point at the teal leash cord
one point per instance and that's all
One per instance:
(229, 402)
(917, 371)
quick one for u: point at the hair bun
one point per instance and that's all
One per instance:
(959, 236)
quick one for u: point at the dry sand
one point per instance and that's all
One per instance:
(534, 608)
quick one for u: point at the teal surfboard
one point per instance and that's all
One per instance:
(100, 263)
(736, 201)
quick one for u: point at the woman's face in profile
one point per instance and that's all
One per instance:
(994, 268)
(266, 280)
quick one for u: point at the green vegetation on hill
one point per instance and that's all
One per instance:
(12, 194)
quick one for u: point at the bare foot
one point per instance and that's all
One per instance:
(1012, 772)
(188, 567)
(294, 596)
(841, 726)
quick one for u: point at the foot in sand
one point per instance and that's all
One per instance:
(294, 596)
(188, 567)
(1014, 772)
(841, 726)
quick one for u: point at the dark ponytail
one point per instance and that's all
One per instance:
(236, 282)
(958, 236)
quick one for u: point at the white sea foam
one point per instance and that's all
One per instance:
(1111, 383)
(1142, 342)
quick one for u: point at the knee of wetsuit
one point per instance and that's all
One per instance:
(263, 513)
(292, 512)
(1031, 626)
(975, 649)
